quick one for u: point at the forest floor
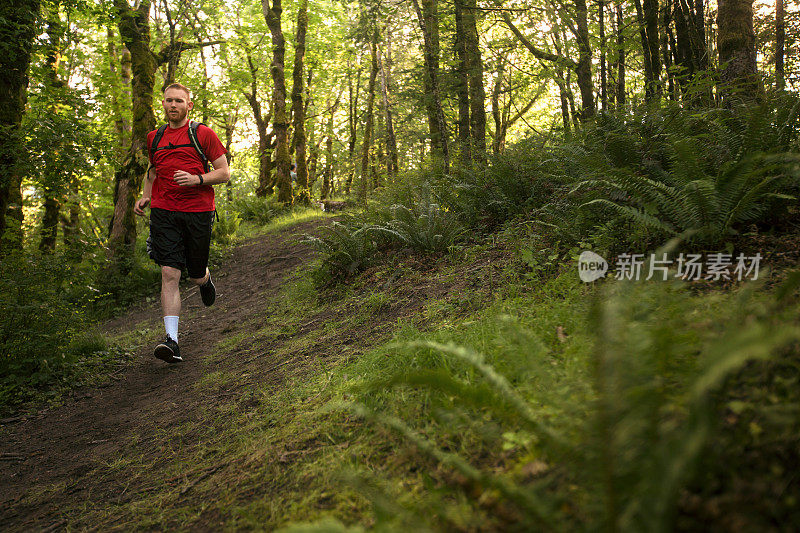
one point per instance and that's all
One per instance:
(69, 446)
(95, 461)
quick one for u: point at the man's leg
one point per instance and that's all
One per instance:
(170, 291)
(171, 306)
(203, 280)
(198, 242)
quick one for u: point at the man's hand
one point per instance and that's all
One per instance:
(140, 206)
(184, 179)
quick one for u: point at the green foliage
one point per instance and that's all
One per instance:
(258, 210)
(633, 448)
(226, 227)
(423, 227)
(44, 323)
(346, 249)
(705, 174)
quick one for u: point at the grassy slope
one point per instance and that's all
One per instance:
(268, 456)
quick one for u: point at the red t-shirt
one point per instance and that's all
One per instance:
(166, 193)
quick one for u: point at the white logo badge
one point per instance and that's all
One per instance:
(591, 266)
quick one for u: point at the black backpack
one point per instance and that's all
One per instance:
(193, 142)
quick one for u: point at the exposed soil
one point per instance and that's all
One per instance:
(70, 444)
(57, 459)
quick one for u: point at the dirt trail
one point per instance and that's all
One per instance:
(71, 445)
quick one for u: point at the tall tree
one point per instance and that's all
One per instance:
(298, 111)
(619, 91)
(737, 54)
(780, 43)
(52, 189)
(462, 84)
(265, 140)
(384, 68)
(280, 124)
(601, 21)
(17, 29)
(429, 26)
(477, 92)
(134, 27)
(368, 123)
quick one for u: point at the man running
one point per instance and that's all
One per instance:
(179, 190)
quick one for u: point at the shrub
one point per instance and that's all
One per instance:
(258, 210)
(652, 412)
(346, 248)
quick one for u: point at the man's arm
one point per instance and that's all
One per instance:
(220, 174)
(147, 190)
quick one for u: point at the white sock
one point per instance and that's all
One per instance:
(171, 325)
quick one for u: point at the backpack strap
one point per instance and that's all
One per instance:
(159, 133)
(196, 143)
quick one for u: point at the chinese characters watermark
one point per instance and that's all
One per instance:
(689, 267)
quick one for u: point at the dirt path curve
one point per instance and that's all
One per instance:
(59, 455)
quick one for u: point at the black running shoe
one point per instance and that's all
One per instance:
(208, 292)
(168, 351)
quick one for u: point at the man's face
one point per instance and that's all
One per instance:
(176, 104)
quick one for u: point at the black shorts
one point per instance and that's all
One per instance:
(179, 239)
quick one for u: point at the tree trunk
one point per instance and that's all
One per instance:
(304, 195)
(477, 93)
(230, 127)
(584, 67)
(647, 19)
(391, 141)
(601, 6)
(780, 43)
(19, 29)
(462, 86)
(666, 17)
(429, 25)
(352, 117)
(265, 183)
(620, 89)
(737, 54)
(52, 186)
(120, 89)
(280, 125)
(429, 22)
(327, 173)
(134, 28)
(367, 143)
(497, 113)
(70, 224)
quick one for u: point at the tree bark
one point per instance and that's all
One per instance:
(429, 25)
(52, 188)
(620, 89)
(666, 18)
(477, 92)
(462, 86)
(601, 6)
(737, 54)
(497, 113)
(368, 124)
(780, 44)
(120, 88)
(265, 183)
(134, 28)
(584, 70)
(352, 117)
(299, 116)
(385, 69)
(17, 34)
(280, 124)
(327, 176)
